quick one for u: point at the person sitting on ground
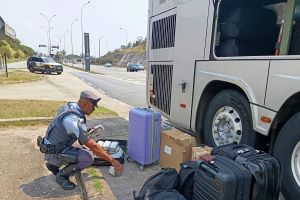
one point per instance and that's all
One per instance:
(60, 147)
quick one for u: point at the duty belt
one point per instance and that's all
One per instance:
(49, 148)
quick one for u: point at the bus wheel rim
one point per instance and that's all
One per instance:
(295, 163)
(226, 126)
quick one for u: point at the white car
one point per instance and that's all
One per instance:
(107, 65)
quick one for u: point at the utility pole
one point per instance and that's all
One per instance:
(82, 38)
(49, 30)
(125, 36)
(65, 39)
(72, 39)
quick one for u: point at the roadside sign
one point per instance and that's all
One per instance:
(87, 51)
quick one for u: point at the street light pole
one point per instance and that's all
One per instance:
(82, 39)
(100, 48)
(47, 37)
(72, 39)
(59, 42)
(65, 39)
(125, 35)
(49, 30)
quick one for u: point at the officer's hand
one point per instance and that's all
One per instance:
(91, 129)
(118, 167)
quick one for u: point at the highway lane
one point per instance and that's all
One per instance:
(124, 89)
(118, 73)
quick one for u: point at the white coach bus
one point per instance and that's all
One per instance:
(229, 71)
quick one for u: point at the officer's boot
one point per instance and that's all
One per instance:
(62, 178)
(52, 168)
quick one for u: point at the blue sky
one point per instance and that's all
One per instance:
(100, 18)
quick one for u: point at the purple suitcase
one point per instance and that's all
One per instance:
(144, 136)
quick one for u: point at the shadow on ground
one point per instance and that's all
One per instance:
(45, 187)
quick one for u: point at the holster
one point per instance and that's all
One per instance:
(47, 148)
(68, 156)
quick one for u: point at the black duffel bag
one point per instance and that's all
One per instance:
(187, 178)
(165, 179)
(154, 194)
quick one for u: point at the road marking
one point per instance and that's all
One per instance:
(89, 83)
(125, 80)
(101, 91)
(129, 80)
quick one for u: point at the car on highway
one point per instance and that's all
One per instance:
(107, 65)
(134, 67)
(44, 65)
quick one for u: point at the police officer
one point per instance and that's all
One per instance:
(68, 126)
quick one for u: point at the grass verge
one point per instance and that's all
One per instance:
(18, 76)
(37, 108)
(95, 178)
(22, 123)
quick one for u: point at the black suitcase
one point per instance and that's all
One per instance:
(247, 23)
(232, 150)
(222, 178)
(122, 145)
(266, 170)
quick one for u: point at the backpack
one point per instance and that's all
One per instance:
(186, 178)
(165, 179)
(154, 194)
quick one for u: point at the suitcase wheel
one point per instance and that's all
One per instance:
(129, 159)
(141, 167)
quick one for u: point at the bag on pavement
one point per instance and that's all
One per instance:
(165, 179)
(187, 178)
(154, 194)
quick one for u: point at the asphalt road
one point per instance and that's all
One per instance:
(117, 83)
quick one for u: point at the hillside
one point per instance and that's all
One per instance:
(14, 50)
(132, 53)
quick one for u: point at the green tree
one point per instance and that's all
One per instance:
(7, 50)
(3, 43)
(19, 54)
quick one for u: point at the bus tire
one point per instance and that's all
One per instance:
(228, 119)
(287, 151)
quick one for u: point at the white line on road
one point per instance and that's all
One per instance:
(101, 91)
(119, 79)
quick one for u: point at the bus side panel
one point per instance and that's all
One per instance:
(284, 81)
(189, 46)
(160, 54)
(236, 72)
(160, 6)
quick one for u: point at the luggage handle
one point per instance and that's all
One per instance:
(211, 170)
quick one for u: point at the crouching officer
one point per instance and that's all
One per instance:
(68, 126)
